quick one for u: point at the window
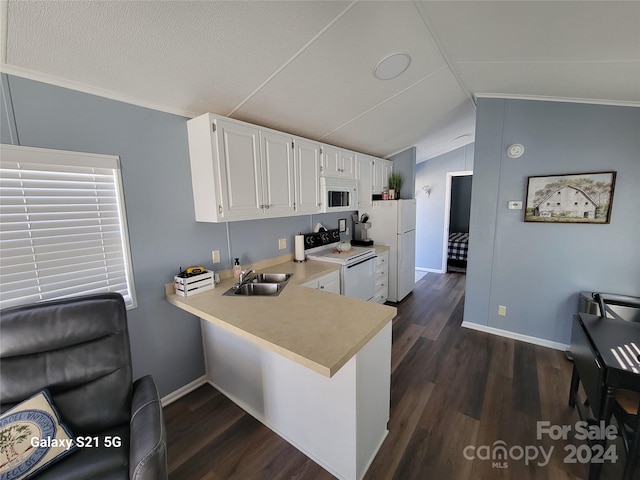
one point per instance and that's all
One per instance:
(63, 229)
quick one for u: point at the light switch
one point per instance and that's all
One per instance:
(502, 310)
(515, 205)
(215, 256)
(282, 243)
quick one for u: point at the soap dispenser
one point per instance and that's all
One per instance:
(237, 269)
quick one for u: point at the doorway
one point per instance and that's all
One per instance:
(457, 206)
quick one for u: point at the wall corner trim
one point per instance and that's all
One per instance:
(182, 391)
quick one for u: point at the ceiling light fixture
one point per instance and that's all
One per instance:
(391, 66)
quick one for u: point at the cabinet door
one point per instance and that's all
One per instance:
(348, 164)
(364, 175)
(240, 169)
(381, 170)
(307, 161)
(331, 161)
(330, 283)
(312, 284)
(277, 174)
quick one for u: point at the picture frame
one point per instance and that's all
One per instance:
(570, 198)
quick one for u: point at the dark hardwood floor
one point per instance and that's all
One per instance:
(453, 390)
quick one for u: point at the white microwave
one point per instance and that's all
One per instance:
(338, 194)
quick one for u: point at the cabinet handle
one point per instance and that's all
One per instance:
(322, 286)
(267, 206)
(220, 209)
(261, 207)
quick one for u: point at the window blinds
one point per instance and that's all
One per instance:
(62, 226)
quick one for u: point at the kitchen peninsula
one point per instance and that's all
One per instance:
(313, 366)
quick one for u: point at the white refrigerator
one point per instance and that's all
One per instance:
(393, 223)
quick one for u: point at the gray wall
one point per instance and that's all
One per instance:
(537, 270)
(164, 235)
(405, 163)
(430, 211)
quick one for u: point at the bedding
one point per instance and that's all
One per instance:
(458, 246)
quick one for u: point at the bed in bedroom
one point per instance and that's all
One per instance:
(457, 252)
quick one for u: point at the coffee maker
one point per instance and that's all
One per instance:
(360, 235)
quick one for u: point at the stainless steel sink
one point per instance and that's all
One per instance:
(271, 278)
(262, 284)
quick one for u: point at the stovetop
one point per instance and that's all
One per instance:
(324, 254)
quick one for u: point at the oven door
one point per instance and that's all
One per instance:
(358, 280)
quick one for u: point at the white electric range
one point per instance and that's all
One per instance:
(357, 272)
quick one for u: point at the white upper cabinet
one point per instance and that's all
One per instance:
(307, 161)
(240, 166)
(278, 174)
(337, 162)
(241, 171)
(381, 170)
(364, 175)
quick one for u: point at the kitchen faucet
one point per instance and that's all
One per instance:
(242, 279)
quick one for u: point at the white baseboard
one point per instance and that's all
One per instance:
(430, 270)
(182, 391)
(516, 336)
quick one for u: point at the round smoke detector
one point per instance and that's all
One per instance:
(515, 151)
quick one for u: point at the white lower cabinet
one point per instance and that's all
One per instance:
(382, 278)
(327, 283)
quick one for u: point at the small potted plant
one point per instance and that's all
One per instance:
(395, 184)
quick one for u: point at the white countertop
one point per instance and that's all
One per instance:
(318, 329)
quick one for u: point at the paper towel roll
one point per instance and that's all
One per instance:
(299, 248)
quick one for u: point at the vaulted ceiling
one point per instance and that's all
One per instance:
(306, 66)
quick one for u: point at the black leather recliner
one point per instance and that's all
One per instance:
(79, 350)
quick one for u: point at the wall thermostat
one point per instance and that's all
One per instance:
(516, 150)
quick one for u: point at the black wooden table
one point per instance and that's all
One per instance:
(606, 355)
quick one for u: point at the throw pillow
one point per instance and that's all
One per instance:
(32, 437)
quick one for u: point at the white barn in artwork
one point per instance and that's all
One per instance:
(568, 201)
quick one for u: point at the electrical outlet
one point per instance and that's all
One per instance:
(215, 256)
(502, 310)
(282, 243)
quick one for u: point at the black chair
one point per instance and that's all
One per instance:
(626, 412)
(79, 350)
(620, 307)
(626, 308)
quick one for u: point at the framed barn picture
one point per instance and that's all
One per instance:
(572, 198)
